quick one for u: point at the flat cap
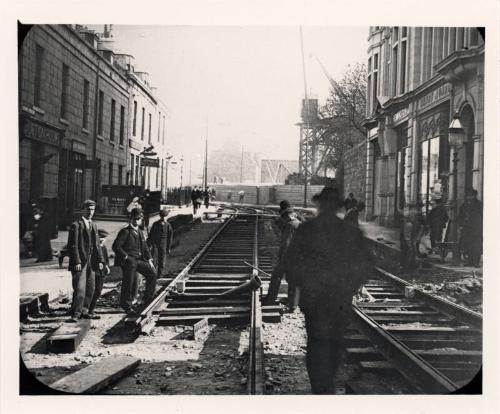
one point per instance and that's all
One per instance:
(164, 212)
(88, 203)
(136, 213)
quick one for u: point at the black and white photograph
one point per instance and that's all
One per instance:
(252, 209)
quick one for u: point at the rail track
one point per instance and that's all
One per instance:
(434, 344)
(217, 286)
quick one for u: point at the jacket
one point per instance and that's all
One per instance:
(127, 242)
(81, 242)
(161, 231)
(327, 259)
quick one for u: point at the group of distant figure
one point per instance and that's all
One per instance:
(200, 195)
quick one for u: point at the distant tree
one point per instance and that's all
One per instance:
(344, 113)
(294, 179)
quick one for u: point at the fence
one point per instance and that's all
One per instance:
(178, 196)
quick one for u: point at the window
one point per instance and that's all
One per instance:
(402, 75)
(149, 133)
(159, 124)
(100, 113)
(136, 170)
(429, 169)
(120, 174)
(112, 124)
(394, 71)
(132, 175)
(86, 103)
(157, 173)
(375, 80)
(39, 54)
(64, 91)
(142, 126)
(404, 32)
(163, 133)
(134, 129)
(122, 123)
(161, 174)
(110, 173)
(395, 35)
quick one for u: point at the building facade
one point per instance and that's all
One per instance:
(73, 108)
(418, 79)
(81, 131)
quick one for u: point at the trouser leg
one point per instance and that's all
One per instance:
(89, 287)
(319, 351)
(99, 282)
(274, 284)
(79, 284)
(144, 269)
(127, 289)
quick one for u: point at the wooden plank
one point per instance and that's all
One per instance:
(206, 310)
(205, 303)
(95, 377)
(377, 365)
(184, 320)
(68, 337)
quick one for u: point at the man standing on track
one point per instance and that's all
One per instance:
(85, 258)
(133, 255)
(288, 224)
(160, 239)
(328, 262)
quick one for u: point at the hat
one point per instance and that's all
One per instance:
(329, 195)
(88, 203)
(136, 213)
(164, 212)
(285, 207)
(102, 233)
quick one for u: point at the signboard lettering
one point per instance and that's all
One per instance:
(398, 116)
(434, 96)
(150, 162)
(40, 132)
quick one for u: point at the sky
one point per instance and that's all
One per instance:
(245, 82)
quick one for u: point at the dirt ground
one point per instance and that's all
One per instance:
(170, 361)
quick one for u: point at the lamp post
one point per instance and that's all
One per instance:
(455, 139)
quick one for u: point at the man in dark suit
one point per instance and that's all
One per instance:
(133, 255)
(160, 239)
(85, 258)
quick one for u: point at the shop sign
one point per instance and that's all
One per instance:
(398, 116)
(434, 96)
(40, 132)
(120, 195)
(150, 162)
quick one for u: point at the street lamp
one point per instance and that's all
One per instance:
(456, 137)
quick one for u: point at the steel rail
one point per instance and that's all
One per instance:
(410, 365)
(452, 309)
(144, 317)
(255, 382)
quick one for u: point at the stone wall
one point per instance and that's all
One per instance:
(354, 172)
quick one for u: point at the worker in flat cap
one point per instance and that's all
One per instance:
(133, 255)
(100, 274)
(160, 240)
(85, 258)
(287, 224)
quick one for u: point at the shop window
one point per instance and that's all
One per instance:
(429, 171)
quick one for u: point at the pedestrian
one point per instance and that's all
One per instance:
(408, 237)
(161, 240)
(213, 193)
(42, 232)
(199, 197)
(328, 262)
(85, 258)
(133, 255)
(438, 217)
(287, 224)
(352, 215)
(100, 274)
(241, 193)
(194, 194)
(206, 197)
(229, 195)
(349, 202)
(470, 222)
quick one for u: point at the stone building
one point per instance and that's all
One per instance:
(73, 110)
(418, 78)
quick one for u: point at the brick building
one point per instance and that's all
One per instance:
(73, 107)
(418, 78)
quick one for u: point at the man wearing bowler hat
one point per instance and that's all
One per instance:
(133, 255)
(160, 239)
(85, 258)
